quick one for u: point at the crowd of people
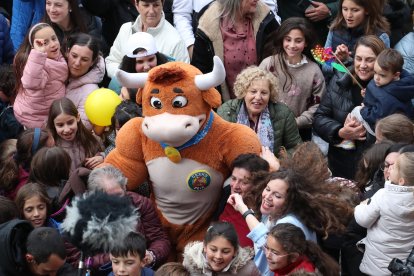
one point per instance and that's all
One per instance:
(331, 193)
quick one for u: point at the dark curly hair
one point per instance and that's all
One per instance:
(316, 201)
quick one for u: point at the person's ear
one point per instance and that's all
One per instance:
(401, 181)
(78, 118)
(397, 75)
(29, 258)
(294, 257)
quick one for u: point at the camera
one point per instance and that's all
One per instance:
(398, 268)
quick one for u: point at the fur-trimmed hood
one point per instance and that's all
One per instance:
(194, 259)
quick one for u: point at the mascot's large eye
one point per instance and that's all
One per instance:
(156, 103)
(179, 101)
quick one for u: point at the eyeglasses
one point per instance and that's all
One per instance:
(273, 253)
(385, 165)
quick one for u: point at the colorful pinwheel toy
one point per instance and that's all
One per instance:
(326, 56)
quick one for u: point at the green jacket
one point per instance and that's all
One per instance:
(285, 130)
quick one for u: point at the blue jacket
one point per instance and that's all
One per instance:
(26, 13)
(144, 271)
(6, 46)
(394, 97)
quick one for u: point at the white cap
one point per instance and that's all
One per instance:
(141, 40)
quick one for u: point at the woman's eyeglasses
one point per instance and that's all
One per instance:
(385, 165)
(273, 253)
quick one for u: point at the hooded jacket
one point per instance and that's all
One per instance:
(241, 265)
(43, 81)
(389, 217)
(78, 89)
(379, 102)
(13, 236)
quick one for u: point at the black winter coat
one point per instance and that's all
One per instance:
(330, 117)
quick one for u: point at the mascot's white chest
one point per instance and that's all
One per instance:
(184, 191)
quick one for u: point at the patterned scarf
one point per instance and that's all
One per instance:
(264, 129)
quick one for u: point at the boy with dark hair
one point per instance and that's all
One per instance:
(128, 257)
(46, 252)
(391, 91)
(10, 128)
(29, 252)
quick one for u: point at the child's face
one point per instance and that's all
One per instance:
(219, 253)
(35, 211)
(353, 14)
(144, 64)
(130, 265)
(50, 41)
(66, 126)
(382, 77)
(395, 173)
(276, 256)
(293, 44)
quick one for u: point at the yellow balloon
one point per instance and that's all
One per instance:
(100, 106)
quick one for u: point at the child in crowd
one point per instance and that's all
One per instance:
(288, 251)
(396, 128)
(141, 56)
(41, 73)
(300, 79)
(389, 92)
(219, 254)
(128, 257)
(45, 161)
(10, 128)
(33, 205)
(124, 112)
(66, 126)
(172, 269)
(15, 159)
(388, 217)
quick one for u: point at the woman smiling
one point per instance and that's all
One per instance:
(86, 70)
(257, 107)
(343, 94)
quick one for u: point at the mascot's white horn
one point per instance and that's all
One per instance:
(212, 79)
(131, 80)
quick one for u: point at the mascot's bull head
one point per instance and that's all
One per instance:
(176, 99)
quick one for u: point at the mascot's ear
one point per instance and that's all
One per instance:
(207, 82)
(212, 97)
(138, 97)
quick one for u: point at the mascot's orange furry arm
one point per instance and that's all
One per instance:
(181, 146)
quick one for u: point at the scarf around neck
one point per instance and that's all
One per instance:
(264, 126)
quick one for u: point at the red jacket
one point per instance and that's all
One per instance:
(239, 223)
(303, 263)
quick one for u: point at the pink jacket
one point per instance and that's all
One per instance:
(78, 89)
(43, 81)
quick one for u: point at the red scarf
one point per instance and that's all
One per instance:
(302, 263)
